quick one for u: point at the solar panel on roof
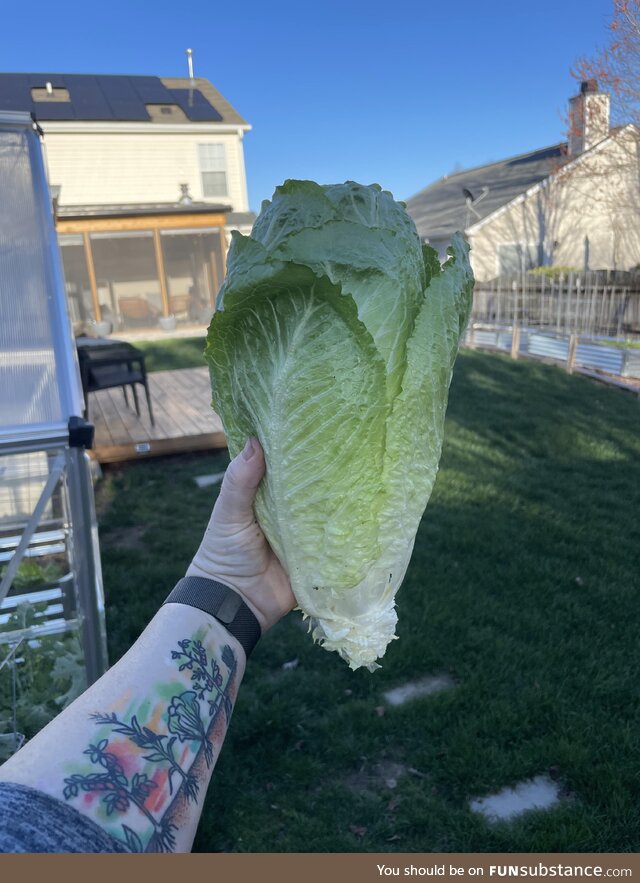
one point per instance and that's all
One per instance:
(195, 105)
(53, 110)
(50, 110)
(15, 92)
(101, 97)
(123, 98)
(152, 90)
(39, 81)
(87, 99)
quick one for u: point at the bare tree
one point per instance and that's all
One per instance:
(611, 187)
(617, 66)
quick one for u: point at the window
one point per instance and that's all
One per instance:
(213, 168)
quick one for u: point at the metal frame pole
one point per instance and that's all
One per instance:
(71, 397)
(86, 564)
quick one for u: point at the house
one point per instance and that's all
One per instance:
(574, 204)
(149, 179)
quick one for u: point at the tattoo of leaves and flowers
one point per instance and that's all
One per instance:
(206, 675)
(185, 723)
(120, 793)
(159, 746)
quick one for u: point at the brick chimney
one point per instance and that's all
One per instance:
(588, 117)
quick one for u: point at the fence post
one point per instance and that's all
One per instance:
(571, 355)
(471, 337)
(515, 340)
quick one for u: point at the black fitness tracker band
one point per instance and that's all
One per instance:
(221, 602)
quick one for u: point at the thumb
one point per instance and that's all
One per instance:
(235, 501)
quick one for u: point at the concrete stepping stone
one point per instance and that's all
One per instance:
(208, 480)
(418, 689)
(540, 792)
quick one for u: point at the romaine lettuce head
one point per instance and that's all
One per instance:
(333, 343)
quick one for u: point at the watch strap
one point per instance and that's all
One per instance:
(221, 602)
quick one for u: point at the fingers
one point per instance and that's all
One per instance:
(244, 474)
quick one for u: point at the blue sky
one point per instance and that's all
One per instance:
(399, 92)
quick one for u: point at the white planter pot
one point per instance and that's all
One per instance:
(102, 328)
(168, 323)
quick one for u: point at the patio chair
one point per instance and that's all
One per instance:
(137, 311)
(107, 364)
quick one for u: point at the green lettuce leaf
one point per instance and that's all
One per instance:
(292, 364)
(384, 271)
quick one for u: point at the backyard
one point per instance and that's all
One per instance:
(523, 590)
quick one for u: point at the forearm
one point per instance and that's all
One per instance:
(136, 751)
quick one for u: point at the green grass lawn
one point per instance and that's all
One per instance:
(187, 352)
(173, 353)
(523, 587)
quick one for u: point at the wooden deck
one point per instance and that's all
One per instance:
(184, 421)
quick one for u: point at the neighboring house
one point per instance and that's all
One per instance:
(572, 204)
(149, 179)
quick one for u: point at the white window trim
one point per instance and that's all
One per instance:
(224, 169)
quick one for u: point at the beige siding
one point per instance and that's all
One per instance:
(112, 169)
(598, 198)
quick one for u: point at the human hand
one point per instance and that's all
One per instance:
(234, 549)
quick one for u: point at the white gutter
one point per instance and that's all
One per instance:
(142, 128)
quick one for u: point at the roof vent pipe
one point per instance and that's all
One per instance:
(49, 88)
(190, 62)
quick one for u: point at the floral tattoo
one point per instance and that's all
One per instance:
(190, 718)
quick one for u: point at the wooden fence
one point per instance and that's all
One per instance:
(598, 303)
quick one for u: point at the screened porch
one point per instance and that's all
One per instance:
(143, 269)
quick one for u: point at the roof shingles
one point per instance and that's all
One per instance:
(116, 98)
(441, 209)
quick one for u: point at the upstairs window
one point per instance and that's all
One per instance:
(213, 168)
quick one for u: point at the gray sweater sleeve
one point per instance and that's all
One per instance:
(31, 821)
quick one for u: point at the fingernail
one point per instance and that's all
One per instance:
(249, 450)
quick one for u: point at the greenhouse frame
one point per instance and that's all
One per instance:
(50, 575)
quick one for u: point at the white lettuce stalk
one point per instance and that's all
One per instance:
(334, 342)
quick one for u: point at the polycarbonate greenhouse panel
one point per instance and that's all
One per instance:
(45, 576)
(22, 480)
(39, 384)
(50, 578)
